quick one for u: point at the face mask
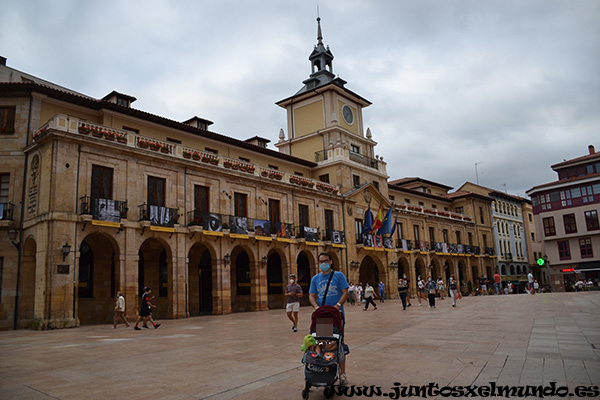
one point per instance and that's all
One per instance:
(324, 267)
(429, 279)
(291, 281)
(404, 276)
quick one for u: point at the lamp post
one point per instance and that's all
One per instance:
(66, 249)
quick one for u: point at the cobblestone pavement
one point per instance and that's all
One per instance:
(510, 340)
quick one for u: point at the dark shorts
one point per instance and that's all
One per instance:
(144, 312)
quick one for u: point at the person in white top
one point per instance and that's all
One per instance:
(119, 311)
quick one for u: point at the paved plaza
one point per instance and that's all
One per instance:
(510, 340)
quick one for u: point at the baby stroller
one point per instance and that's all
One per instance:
(321, 364)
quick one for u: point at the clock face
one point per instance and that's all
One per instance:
(348, 115)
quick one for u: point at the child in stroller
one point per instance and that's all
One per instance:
(322, 353)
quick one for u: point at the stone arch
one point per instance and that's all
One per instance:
(244, 279)
(155, 269)
(201, 279)
(305, 270)
(275, 280)
(98, 278)
(369, 272)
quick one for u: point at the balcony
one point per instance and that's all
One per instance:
(103, 209)
(7, 211)
(364, 160)
(123, 139)
(158, 215)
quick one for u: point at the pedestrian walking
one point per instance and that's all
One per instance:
(120, 311)
(381, 287)
(407, 290)
(497, 280)
(430, 288)
(146, 310)
(330, 288)
(441, 288)
(420, 290)
(453, 287)
(530, 280)
(403, 291)
(351, 293)
(293, 292)
(369, 295)
(359, 292)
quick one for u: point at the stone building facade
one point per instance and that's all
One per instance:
(98, 196)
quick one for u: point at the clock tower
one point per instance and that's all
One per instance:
(325, 125)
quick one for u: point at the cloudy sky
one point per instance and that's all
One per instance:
(512, 85)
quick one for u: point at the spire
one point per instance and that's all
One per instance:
(319, 33)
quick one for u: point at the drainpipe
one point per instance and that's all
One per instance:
(344, 225)
(20, 247)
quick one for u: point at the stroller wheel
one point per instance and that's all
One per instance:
(305, 394)
(328, 392)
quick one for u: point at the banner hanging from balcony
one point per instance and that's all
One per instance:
(262, 229)
(106, 212)
(311, 234)
(388, 243)
(284, 232)
(162, 219)
(211, 222)
(238, 227)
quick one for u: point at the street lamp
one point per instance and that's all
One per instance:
(66, 249)
(227, 259)
(12, 235)
(265, 260)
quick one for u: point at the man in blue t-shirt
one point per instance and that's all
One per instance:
(337, 294)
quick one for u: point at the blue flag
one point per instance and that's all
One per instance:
(395, 223)
(368, 222)
(386, 224)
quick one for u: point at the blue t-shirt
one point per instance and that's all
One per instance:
(318, 284)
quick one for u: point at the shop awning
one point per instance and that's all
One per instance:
(587, 266)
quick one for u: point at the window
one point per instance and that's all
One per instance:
(431, 234)
(171, 140)
(433, 206)
(354, 148)
(421, 203)
(201, 199)
(564, 253)
(591, 220)
(570, 223)
(302, 215)
(241, 204)
(329, 220)
(356, 180)
(156, 191)
(587, 194)
(376, 184)
(445, 235)
(7, 119)
(407, 201)
(416, 232)
(274, 216)
(244, 159)
(530, 217)
(484, 237)
(458, 238)
(565, 198)
(391, 197)
(585, 247)
(4, 181)
(275, 167)
(102, 178)
(209, 150)
(358, 227)
(549, 229)
(298, 173)
(324, 178)
(532, 237)
(399, 228)
(481, 215)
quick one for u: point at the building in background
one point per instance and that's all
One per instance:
(566, 215)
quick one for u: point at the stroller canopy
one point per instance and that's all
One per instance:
(327, 312)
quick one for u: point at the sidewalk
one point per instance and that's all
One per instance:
(510, 340)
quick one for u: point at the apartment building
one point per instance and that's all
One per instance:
(566, 215)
